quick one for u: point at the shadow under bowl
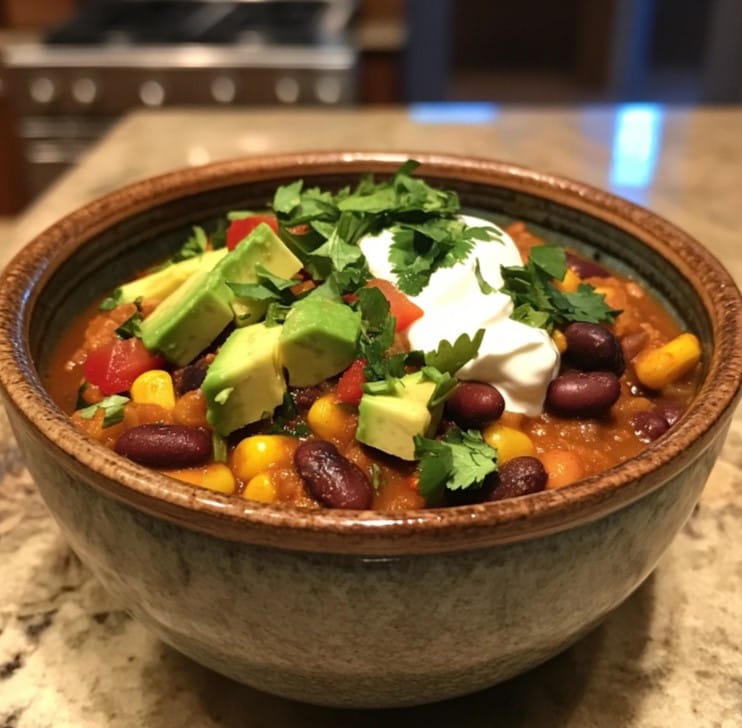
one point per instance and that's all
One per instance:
(363, 609)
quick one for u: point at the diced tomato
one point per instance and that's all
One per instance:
(114, 366)
(240, 229)
(404, 310)
(349, 389)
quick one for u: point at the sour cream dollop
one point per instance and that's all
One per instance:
(517, 359)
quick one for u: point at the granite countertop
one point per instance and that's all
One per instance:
(670, 655)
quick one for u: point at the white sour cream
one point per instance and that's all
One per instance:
(517, 359)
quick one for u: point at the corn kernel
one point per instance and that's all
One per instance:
(154, 387)
(656, 368)
(215, 476)
(569, 283)
(560, 341)
(261, 488)
(509, 442)
(329, 420)
(258, 453)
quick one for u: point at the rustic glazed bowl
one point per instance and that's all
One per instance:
(362, 608)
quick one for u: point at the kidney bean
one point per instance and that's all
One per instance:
(592, 347)
(669, 411)
(305, 397)
(165, 446)
(649, 425)
(586, 268)
(474, 404)
(632, 344)
(519, 476)
(331, 478)
(583, 394)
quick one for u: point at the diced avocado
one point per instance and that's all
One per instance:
(319, 339)
(389, 422)
(244, 383)
(163, 282)
(196, 312)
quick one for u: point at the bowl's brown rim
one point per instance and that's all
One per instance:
(368, 532)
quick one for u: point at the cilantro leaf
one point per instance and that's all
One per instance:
(268, 287)
(288, 197)
(449, 358)
(194, 246)
(460, 460)
(539, 303)
(109, 303)
(377, 331)
(113, 408)
(132, 326)
(419, 249)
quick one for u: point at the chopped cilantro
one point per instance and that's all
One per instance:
(132, 326)
(109, 303)
(451, 357)
(323, 229)
(460, 460)
(194, 246)
(113, 408)
(539, 303)
(420, 249)
(268, 287)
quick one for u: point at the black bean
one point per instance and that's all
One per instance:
(474, 404)
(586, 268)
(331, 478)
(519, 476)
(191, 376)
(583, 394)
(649, 425)
(592, 347)
(165, 446)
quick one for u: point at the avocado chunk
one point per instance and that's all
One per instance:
(196, 312)
(244, 383)
(389, 422)
(163, 282)
(319, 339)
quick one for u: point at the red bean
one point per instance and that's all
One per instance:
(165, 446)
(474, 404)
(592, 347)
(519, 476)
(669, 411)
(586, 268)
(583, 394)
(331, 478)
(649, 425)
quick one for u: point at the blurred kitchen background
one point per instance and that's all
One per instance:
(71, 68)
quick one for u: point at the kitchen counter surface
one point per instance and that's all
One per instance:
(670, 655)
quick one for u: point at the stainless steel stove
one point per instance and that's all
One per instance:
(118, 55)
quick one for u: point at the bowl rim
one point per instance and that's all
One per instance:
(367, 532)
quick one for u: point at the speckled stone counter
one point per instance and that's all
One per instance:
(670, 655)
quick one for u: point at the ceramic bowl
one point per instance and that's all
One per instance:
(362, 608)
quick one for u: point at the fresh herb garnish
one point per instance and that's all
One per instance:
(539, 303)
(419, 249)
(194, 246)
(113, 409)
(132, 326)
(268, 287)
(109, 303)
(451, 357)
(286, 420)
(460, 460)
(377, 332)
(427, 235)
